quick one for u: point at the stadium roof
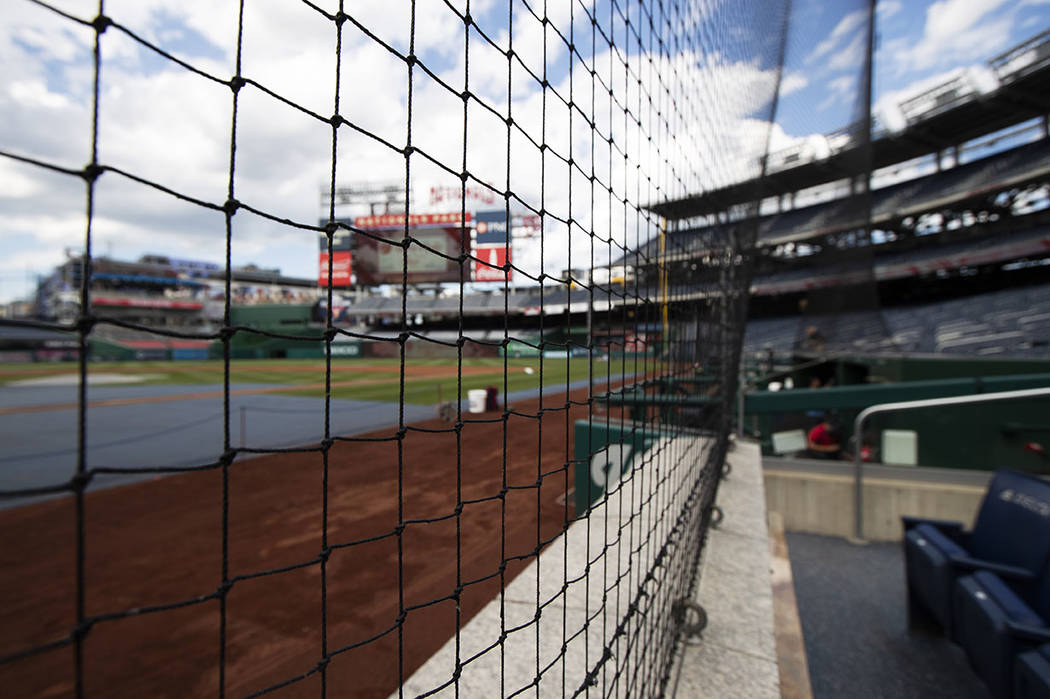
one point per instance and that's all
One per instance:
(1024, 76)
(970, 183)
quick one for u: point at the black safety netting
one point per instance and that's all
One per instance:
(545, 542)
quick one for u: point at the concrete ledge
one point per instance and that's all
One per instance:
(818, 499)
(736, 655)
(555, 621)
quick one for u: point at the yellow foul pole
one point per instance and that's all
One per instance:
(663, 279)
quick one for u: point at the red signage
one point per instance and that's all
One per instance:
(414, 220)
(480, 194)
(490, 259)
(340, 268)
(146, 303)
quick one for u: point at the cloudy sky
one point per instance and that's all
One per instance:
(161, 122)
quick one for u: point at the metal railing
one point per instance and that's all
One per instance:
(858, 424)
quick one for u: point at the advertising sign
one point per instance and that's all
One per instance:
(490, 227)
(342, 259)
(492, 259)
(341, 268)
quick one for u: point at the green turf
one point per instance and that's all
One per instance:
(380, 382)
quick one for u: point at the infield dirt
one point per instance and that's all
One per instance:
(160, 543)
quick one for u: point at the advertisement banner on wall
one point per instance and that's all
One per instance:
(490, 227)
(341, 265)
(341, 259)
(491, 258)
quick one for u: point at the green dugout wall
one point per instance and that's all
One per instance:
(985, 436)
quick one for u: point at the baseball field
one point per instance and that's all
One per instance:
(426, 380)
(349, 570)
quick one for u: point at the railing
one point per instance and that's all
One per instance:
(858, 463)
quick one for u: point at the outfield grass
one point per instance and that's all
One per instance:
(362, 379)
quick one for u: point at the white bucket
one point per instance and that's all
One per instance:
(476, 398)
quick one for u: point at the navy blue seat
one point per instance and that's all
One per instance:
(995, 622)
(1032, 674)
(1010, 537)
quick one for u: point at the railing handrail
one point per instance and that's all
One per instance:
(858, 424)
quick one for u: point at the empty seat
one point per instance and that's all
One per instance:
(1032, 674)
(1011, 537)
(996, 621)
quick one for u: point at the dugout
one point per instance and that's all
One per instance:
(962, 437)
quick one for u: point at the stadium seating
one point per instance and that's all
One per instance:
(1016, 321)
(1011, 537)
(995, 620)
(1032, 674)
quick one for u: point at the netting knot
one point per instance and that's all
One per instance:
(91, 172)
(411, 59)
(325, 554)
(468, 20)
(340, 18)
(85, 324)
(336, 121)
(227, 332)
(510, 121)
(101, 23)
(224, 587)
(326, 444)
(323, 663)
(79, 482)
(81, 630)
(330, 228)
(236, 83)
(231, 206)
(227, 457)
(402, 337)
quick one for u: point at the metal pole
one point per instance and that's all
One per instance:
(858, 425)
(741, 387)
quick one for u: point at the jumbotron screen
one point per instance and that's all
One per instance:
(380, 262)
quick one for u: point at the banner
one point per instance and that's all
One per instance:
(341, 268)
(494, 256)
(342, 257)
(490, 227)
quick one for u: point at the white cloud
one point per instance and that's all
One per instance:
(952, 30)
(793, 82)
(888, 8)
(847, 30)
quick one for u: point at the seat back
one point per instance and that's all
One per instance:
(1013, 523)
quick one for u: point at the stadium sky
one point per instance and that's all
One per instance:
(165, 124)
